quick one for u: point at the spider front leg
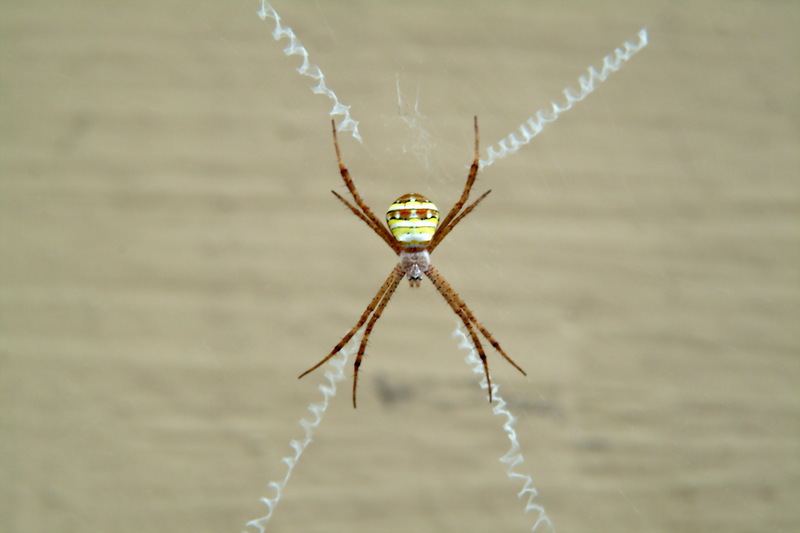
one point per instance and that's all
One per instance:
(393, 279)
(473, 173)
(368, 216)
(442, 232)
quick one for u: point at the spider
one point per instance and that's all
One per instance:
(414, 231)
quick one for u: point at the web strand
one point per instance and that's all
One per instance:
(513, 458)
(295, 47)
(587, 82)
(334, 374)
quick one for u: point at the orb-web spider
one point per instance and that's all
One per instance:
(414, 231)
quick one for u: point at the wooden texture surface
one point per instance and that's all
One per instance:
(172, 259)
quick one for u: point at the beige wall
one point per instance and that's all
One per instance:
(172, 258)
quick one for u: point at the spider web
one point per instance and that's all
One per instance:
(334, 373)
(420, 148)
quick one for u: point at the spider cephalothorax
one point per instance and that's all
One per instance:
(413, 233)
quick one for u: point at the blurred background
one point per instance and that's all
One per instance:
(172, 258)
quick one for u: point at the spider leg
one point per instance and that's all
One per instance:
(387, 295)
(496, 345)
(368, 222)
(348, 181)
(394, 277)
(443, 231)
(456, 304)
(473, 172)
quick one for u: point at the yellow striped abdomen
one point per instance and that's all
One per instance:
(413, 219)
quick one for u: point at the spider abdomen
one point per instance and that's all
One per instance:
(413, 220)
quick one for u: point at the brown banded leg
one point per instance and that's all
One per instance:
(442, 232)
(393, 283)
(394, 277)
(483, 330)
(449, 295)
(368, 221)
(473, 172)
(348, 181)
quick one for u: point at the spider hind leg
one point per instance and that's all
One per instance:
(470, 322)
(394, 281)
(377, 301)
(449, 295)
